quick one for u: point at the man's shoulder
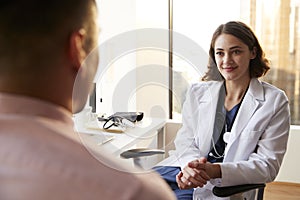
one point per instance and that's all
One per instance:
(55, 163)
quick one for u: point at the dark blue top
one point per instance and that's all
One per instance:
(217, 154)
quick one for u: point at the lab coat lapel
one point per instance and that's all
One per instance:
(248, 107)
(209, 109)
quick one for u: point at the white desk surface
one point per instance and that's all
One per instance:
(119, 142)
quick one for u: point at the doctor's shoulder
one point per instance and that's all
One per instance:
(203, 86)
(271, 91)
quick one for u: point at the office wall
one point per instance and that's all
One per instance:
(289, 171)
(116, 75)
(133, 76)
(152, 78)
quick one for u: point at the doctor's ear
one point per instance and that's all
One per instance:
(76, 48)
(253, 53)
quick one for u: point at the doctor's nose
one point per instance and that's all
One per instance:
(227, 59)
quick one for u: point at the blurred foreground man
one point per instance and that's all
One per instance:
(43, 47)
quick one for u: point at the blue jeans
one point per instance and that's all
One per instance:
(169, 173)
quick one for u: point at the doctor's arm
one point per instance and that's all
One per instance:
(185, 145)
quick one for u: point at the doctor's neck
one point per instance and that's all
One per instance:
(235, 91)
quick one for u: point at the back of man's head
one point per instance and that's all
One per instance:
(42, 45)
(33, 32)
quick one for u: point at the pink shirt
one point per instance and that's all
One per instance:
(40, 158)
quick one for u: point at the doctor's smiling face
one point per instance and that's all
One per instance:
(235, 53)
(233, 57)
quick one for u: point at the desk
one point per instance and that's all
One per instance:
(145, 130)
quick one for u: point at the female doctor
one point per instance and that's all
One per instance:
(235, 127)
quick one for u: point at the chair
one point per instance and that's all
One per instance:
(232, 190)
(228, 191)
(136, 154)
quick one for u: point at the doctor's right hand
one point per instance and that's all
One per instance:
(193, 175)
(213, 170)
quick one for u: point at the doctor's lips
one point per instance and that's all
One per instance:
(228, 69)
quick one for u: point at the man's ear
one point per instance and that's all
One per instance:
(76, 48)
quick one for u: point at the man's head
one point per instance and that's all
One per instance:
(42, 47)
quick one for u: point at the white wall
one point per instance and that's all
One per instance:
(289, 171)
(116, 17)
(152, 63)
(125, 62)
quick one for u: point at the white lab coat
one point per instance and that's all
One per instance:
(258, 138)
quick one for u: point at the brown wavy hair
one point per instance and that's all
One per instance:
(258, 66)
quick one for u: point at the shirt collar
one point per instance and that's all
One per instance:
(25, 105)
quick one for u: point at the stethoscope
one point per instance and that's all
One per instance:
(226, 137)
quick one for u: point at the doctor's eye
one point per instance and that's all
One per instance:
(219, 53)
